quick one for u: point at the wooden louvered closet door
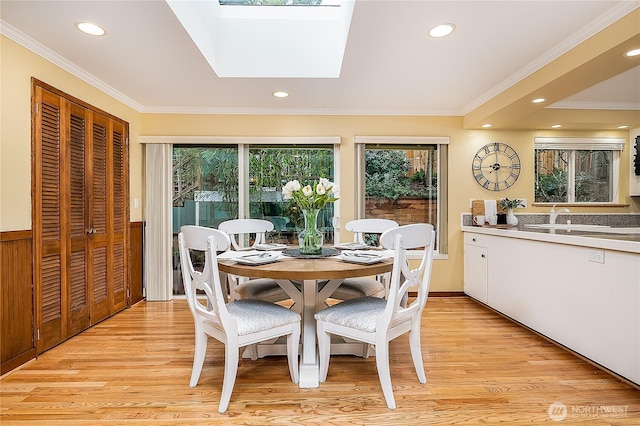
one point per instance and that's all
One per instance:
(78, 296)
(100, 306)
(107, 218)
(49, 247)
(120, 221)
(80, 217)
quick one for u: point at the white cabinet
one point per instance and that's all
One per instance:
(475, 267)
(587, 299)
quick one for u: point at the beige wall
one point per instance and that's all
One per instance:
(448, 275)
(18, 65)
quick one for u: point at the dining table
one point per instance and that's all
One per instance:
(309, 281)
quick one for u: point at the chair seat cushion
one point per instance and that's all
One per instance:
(352, 288)
(257, 315)
(360, 314)
(261, 288)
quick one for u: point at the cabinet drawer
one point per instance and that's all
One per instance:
(476, 239)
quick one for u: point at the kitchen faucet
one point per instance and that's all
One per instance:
(553, 214)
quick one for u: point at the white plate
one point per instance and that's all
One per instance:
(270, 246)
(350, 246)
(360, 257)
(258, 259)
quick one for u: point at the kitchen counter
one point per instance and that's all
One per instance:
(609, 241)
(578, 288)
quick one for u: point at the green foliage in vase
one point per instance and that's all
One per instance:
(508, 204)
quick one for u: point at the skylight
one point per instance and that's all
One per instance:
(296, 41)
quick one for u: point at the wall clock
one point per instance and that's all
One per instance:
(496, 166)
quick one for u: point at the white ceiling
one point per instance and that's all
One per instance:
(390, 65)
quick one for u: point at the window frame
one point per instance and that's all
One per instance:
(360, 142)
(573, 145)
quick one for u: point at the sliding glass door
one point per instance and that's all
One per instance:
(215, 183)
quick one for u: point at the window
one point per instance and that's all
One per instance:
(404, 179)
(577, 170)
(270, 168)
(214, 183)
(205, 186)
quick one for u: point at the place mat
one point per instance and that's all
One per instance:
(326, 252)
(258, 259)
(359, 257)
(350, 246)
(273, 246)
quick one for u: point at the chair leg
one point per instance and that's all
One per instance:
(324, 350)
(382, 363)
(229, 378)
(253, 351)
(200, 351)
(293, 340)
(366, 347)
(416, 354)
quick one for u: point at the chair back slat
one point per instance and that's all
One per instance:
(403, 277)
(197, 240)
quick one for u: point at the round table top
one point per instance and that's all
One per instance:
(306, 269)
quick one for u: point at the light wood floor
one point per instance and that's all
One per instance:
(481, 369)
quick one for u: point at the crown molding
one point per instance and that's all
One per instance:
(28, 43)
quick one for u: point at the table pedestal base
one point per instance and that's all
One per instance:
(312, 301)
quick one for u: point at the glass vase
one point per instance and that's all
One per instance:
(310, 237)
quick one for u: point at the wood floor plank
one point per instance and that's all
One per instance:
(481, 368)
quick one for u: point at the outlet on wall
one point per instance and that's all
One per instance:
(596, 256)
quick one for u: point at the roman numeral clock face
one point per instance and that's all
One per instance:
(496, 166)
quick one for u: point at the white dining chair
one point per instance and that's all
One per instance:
(363, 286)
(236, 324)
(377, 321)
(245, 287)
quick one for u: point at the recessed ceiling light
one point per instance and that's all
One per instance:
(442, 30)
(91, 29)
(486, 125)
(556, 126)
(538, 100)
(634, 52)
(623, 126)
(280, 94)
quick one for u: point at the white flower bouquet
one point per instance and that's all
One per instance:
(310, 197)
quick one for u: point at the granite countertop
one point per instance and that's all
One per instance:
(599, 234)
(616, 240)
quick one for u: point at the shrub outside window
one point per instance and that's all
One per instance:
(403, 179)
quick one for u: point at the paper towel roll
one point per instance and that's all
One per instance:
(491, 211)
